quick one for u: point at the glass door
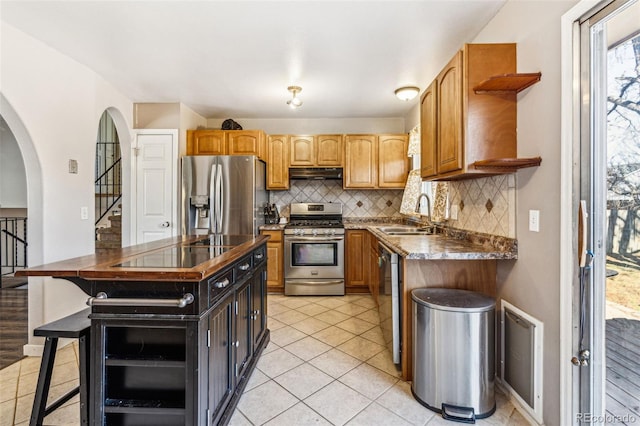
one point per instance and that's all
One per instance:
(607, 284)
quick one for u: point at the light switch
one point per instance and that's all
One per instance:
(84, 213)
(534, 220)
(73, 166)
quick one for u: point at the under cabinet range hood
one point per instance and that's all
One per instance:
(315, 173)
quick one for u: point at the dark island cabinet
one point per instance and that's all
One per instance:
(171, 368)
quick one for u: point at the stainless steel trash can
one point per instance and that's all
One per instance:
(454, 353)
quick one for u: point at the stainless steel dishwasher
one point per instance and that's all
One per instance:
(389, 299)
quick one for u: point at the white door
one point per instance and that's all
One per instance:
(155, 192)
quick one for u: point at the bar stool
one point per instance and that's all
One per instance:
(75, 326)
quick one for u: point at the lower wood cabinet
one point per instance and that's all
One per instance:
(357, 261)
(275, 261)
(168, 369)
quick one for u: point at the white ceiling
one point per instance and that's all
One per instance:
(236, 58)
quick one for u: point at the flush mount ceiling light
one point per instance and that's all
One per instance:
(407, 93)
(294, 102)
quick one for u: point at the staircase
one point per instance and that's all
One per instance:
(109, 239)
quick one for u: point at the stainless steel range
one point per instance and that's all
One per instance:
(314, 250)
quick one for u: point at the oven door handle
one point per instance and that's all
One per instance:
(318, 239)
(314, 283)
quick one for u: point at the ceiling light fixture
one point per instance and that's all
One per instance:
(407, 93)
(294, 102)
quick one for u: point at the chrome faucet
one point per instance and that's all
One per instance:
(428, 205)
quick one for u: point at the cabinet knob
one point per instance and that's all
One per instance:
(259, 256)
(244, 267)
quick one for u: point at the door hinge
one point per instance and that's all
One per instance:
(236, 369)
(136, 151)
(209, 338)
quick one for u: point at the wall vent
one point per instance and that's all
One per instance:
(521, 366)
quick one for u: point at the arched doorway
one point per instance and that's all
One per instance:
(108, 186)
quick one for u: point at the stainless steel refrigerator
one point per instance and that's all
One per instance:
(223, 194)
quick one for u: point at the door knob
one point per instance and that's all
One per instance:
(165, 224)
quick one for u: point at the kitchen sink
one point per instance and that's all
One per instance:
(406, 230)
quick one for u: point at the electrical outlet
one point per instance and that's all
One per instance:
(534, 220)
(84, 213)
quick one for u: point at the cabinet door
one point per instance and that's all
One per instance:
(221, 379)
(428, 132)
(361, 160)
(356, 261)
(393, 162)
(302, 151)
(258, 307)
(246, 142)
(275, 261)
(244, 342)
(206, 142)
(450, 127)
(278, 162)
(329, 150)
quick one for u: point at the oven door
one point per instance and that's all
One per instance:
(314, 265)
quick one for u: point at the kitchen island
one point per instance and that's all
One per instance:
(177, 326)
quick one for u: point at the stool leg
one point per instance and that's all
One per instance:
(83, 345)
(44, 381)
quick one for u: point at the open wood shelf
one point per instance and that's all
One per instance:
(508, 83)
(507, 165)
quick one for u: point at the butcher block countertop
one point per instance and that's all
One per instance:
(180, 258)
(446, 244)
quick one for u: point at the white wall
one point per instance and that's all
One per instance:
(13, 182)
(58, 103)
(532, 282)
(303, 126)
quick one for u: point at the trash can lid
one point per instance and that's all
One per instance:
(450, 299)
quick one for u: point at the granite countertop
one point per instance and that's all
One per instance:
(447, 244)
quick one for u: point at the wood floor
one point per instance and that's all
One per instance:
(13, 324)
(623, 370)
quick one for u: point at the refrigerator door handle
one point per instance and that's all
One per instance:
(220, 199)
(213, 198)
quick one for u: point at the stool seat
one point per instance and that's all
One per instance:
(75, 326)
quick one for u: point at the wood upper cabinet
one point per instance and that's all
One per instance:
(206, 142)
(316, 151)
(376, 161)
(428, 123)
(226, 142)
(357, 245)
(278, 162)
(469, 127)
(329, 150)
(393, 162)
(303, 151)
(246, 142)
(361, 161)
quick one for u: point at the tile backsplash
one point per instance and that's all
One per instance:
(485, 205)
(355, 203)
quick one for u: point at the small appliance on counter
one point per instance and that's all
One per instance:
(271, 215)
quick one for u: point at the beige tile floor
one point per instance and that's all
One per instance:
(325, 365)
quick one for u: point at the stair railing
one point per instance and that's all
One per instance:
(13, 244)
(109, 184)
